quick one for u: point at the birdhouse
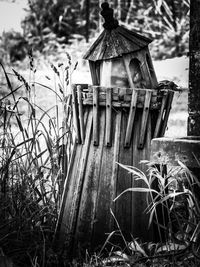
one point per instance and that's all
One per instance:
(120, 57)
(115, 120)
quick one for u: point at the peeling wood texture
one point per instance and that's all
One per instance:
(95, 179)
(194, 70)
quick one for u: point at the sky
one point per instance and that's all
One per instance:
(11, 14)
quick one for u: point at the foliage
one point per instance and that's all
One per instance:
(13, 47)
(174, 210)
(50, 23)
(34, 158)
(51, 20)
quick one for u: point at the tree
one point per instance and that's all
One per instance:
(45, 18)
(194, 73)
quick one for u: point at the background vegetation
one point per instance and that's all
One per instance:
(50, 24)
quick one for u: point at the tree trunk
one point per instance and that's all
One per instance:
(194, 73)
(87, 18)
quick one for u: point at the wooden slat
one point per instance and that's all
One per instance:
(88, 202)
(145, 115)
(95, 116)
(75, 114)
(140, 218)
(167, 111)
(80, 109)
(131, 118)
(106, 190)
(108, 116)
(160, 115)
(67, 215)
(115, 104)
(124, 181)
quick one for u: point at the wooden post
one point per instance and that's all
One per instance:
(194, 70)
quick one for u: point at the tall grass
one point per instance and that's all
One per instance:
(35, 150)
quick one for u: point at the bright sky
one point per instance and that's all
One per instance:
(11, 14)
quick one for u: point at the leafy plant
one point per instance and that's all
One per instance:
(174, 210)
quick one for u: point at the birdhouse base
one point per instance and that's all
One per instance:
(113, 125)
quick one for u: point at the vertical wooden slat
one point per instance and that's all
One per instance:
(64, 227)
(131, 118)
(167, 111)
(103, 218)
(80, 109)
(108, 116)
(73, 189)
(145, 115)
(140, 218)
(95, 115)
(75, 114)
(88, 202)
(160, 115)
(123, 206)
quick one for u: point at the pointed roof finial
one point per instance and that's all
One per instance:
(107, 14)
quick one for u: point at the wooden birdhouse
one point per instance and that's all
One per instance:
(120, 57)
(115, 120)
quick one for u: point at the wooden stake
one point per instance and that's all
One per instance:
(75, 113)
(167, 111)
(131, 118)
(145, 115)
(108, 116)
(96, 115)
(80, 109)
(160, 115)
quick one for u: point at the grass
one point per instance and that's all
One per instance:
(35, 152)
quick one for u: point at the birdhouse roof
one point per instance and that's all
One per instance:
(114, 43)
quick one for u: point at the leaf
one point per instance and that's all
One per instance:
(135, 246)
(137, 189)
(171, 247)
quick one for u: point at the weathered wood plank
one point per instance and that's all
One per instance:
(109, 117)
(160, 115)
(66, 221)
(140, 218)
(140, 105)
(75, 113)
(96, 116)
(80, 109)
(103, 218)
(88, 202)
(145, 115)
(167, 111)
(124, 181)
(131, 118)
